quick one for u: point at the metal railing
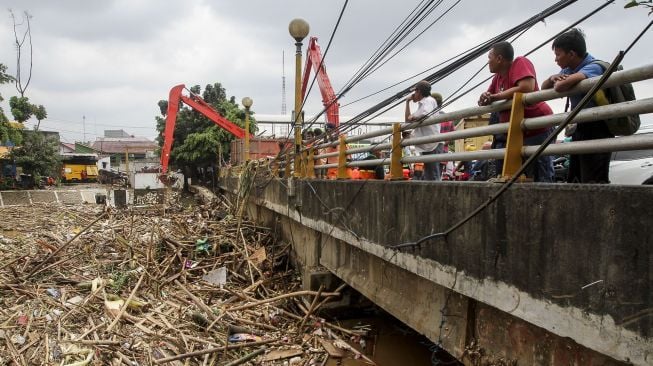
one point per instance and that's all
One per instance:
(311, 157)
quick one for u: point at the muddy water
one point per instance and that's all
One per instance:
(390, 343)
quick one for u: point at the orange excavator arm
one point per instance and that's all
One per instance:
(197, 103)
(314, 60)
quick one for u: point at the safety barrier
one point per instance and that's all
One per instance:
(518, 125)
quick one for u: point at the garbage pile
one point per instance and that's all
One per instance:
(188, 285)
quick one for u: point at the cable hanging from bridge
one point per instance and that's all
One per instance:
(464, 60)
(533, 50)
(451, 98)
(570, 117)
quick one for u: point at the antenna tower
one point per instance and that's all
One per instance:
(283, 82)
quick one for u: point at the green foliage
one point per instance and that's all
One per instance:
(642, 3)
(9, 133)
(39, 112)
(196, 138)
(4, 77)
(21, 108)
(38, 155)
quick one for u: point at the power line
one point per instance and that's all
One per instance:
(55, 120)
(415, 17)
(440, 74)
(301, 108)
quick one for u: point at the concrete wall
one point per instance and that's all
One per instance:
(66, 197)
(527, 259)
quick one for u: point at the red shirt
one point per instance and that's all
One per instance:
(446, 127)
(520, 69)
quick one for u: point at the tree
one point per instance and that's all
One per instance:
(4, 77)
(20, 43)
(642, 3)
(39, 113)
(196, 138)
(38, 155)
(21, 108)
(7, 133)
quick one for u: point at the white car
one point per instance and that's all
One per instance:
(632, 167)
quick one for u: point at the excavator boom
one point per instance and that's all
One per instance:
(314, 60)
(197, 103)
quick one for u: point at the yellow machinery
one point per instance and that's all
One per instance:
(79, 167)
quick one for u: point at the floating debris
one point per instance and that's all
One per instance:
(184, 285)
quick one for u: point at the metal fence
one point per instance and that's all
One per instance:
(313, 158)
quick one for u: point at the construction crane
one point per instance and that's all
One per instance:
(196, 102)
(314, 61)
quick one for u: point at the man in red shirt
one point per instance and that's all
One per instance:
(512, 75)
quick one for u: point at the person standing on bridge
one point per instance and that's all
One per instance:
(426, 104)
(571, 55)
(513, 75)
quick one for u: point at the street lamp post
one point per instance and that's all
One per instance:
(247, 102)
(298, 29)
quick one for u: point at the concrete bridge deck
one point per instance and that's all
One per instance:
(547, 275)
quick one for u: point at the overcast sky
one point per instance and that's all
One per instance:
(113, 60)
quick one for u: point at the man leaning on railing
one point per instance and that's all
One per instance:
(577, 65)
(513, 75)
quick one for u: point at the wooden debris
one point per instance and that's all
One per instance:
(281, 354)
(90, 285)
(332, 350)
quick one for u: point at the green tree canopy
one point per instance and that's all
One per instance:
(39, 113)
(21, 108)
(196, 138)
(38, 155)
(4, 77)
(7, 133)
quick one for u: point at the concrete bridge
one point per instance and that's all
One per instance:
(549, 274)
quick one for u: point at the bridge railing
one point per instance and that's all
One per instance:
(313, 158)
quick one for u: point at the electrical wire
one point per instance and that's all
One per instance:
(283, 150)
(588, 96)
(398, 97)
(371, 66)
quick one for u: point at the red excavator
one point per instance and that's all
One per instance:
(196, 102)
(314, 60)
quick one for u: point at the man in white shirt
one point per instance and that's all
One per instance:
(425, 105)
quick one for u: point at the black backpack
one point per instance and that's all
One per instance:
(620, 126)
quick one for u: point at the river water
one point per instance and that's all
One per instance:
(391, 343)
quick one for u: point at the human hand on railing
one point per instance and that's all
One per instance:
(557, 77)
(485, 99)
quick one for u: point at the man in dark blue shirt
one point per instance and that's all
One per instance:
(577, 65)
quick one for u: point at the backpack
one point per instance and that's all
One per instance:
(619, 126)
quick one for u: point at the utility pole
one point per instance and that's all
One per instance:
(84, 129)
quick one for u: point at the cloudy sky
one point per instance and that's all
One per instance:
(112, 60)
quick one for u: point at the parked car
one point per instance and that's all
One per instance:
(632, 167)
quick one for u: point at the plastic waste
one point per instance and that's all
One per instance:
(53, 292)
(243, 337)
(216, 277)
(203, 245)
